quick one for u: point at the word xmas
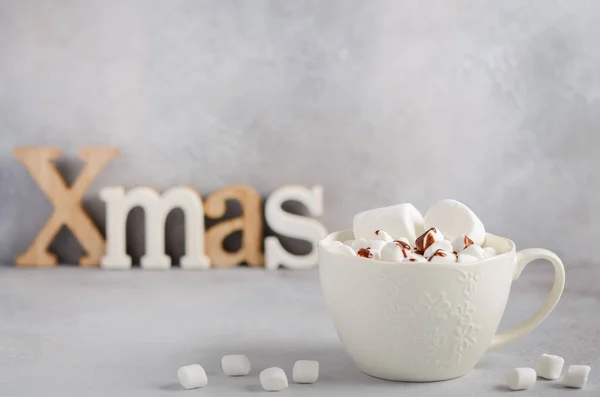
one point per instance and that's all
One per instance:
(69, 211)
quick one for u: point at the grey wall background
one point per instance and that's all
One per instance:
(492, 103)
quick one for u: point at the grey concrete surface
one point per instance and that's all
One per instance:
(491, 103)
(73, 332)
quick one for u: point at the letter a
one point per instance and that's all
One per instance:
(250, 223)
(68, 209)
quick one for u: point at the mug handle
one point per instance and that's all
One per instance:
(524, 257)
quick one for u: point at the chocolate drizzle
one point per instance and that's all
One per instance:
(425, 240)
(402, 244)
(439, 252)
(365, 252)
(467, 241)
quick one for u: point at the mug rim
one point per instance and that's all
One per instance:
(367, 261)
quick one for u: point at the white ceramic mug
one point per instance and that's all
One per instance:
(426, 322)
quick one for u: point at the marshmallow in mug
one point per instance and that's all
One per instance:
(430, 237)
(437, 250)
(441, 256)
(455, 219)
(412, 257)
(461, 242)
(395, 251)
(368, 253)
(458, 241)
(341, 248)
(401, 220)
(360, 243)
(443, 245)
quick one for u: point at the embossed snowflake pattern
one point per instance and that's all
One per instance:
(435, 306)
(431, 340)
(465, 337)
(464, 312)
(469, 279)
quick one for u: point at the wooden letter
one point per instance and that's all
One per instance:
(68, 209)
(156, 208)
(250, 223)
(294, 226)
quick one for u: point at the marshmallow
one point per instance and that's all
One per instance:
(192, 376)
(235, 365)
(273, 379)
(394, 252)
(466, 258)
(429, 237)
(577, 376)
(549, 366)
(474, 250)
(368, 253)
(359, 243)
(521, 378)
(305, 371)
(443, 245)
(489, 252)
(461, 242)
(455, 219)
(441, 256)
(376, 245)
(402, 220)
(414, 258)
(404, 241)
(340, 248)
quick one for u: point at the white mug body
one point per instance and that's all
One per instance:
(416, 322)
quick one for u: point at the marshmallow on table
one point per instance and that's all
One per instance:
(192, 376)
(305, 371)
(474, 250)
(426, 239)
(341, 248)
(401, 220)
(441, 256)
(455, 219)
(461, 242)
(235, 365)
(577, 376)
(521, 378)
(273, 379)
(550, 366)
(443, 245)
(394, 251)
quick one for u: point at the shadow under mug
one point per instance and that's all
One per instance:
(426, 322)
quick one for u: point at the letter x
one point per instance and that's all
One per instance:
(68, 209)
